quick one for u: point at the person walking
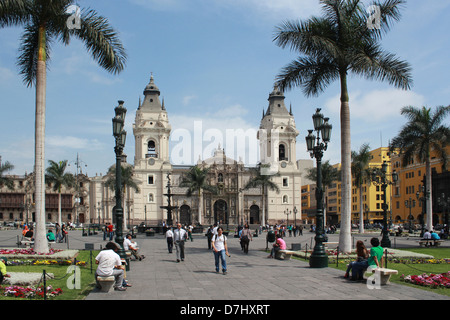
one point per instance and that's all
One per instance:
(209, 235)
(219, 244)
(169, 238)
(246, 237)
(179, 236)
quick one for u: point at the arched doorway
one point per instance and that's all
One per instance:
(185, 215)
(220, 212)
(254, 214)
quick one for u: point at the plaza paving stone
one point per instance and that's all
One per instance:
(250, 276)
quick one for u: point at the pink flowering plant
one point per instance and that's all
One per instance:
(30, 292)
(432, 280)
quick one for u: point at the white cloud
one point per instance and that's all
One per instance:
(377, 105)
(188, 99)
(72, 143)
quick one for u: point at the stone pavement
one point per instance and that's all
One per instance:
(250, 276)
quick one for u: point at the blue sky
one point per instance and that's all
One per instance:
(215, 62)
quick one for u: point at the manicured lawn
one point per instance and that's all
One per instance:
(61, 277)
(416, 267)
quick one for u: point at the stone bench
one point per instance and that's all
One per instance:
(106, 283)
(385, 274)
(430, 242)
(284, 254)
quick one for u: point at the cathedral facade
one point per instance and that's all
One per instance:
(233, 203)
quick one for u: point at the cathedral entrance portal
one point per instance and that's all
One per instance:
(254, 214)
(220, 212)
(185, 215)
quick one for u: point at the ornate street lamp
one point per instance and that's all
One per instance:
(410, 204)
(380, 177)
(444, 202)
(119, 134)
(316, 148)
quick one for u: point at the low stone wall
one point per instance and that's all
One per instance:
(26, 279)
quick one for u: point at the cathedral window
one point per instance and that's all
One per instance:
(282, 152)
(151, 149)
(220, 177)
(150, 179)
(285, 199)
(150, 197)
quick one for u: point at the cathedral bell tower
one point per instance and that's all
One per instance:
(277, 137)
(151, 161)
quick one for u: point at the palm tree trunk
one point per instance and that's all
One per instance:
(263, 205)
(361, 210)
(40, 240)
(200, 202)
(429, 195)
(59, 208)
(346, 178)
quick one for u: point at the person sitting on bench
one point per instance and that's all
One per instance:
(279, 244)
(375, 260)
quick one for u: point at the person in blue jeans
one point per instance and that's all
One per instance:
(219, 244)
(375, 260)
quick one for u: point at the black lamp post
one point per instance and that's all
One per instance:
(380, 177)
(319, 257)
(410, 204)
(445, 203)
(120, 135)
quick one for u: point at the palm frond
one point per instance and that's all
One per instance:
(101, 41)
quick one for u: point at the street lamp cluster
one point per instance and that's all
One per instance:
(316, 148)
(118, 123)
(381, 177)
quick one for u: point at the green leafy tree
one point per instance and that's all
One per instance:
(56, 175)
(126, 180)
(423, 133)
(263, 181)
(330, 174)
(332, 46)
(44, 22)
(196, 181)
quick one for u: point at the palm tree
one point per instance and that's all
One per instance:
(360, 172)
(196, 181)
(263, 181)
(331, 47)
(45, 21)
(423, 133)
(5, 181)
(56, 175)
(126, 179)
(330, 174)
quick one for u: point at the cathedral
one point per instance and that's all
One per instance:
(232, 204)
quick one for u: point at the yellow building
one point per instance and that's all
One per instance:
(372, 194)
(411, 180)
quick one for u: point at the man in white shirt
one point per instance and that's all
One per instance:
(179, 236)
(131, 246)
(427, 234)
(110, 264)
(169, 238)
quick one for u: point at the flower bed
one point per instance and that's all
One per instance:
(29, 251)
(432, 281)
(30, 292)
